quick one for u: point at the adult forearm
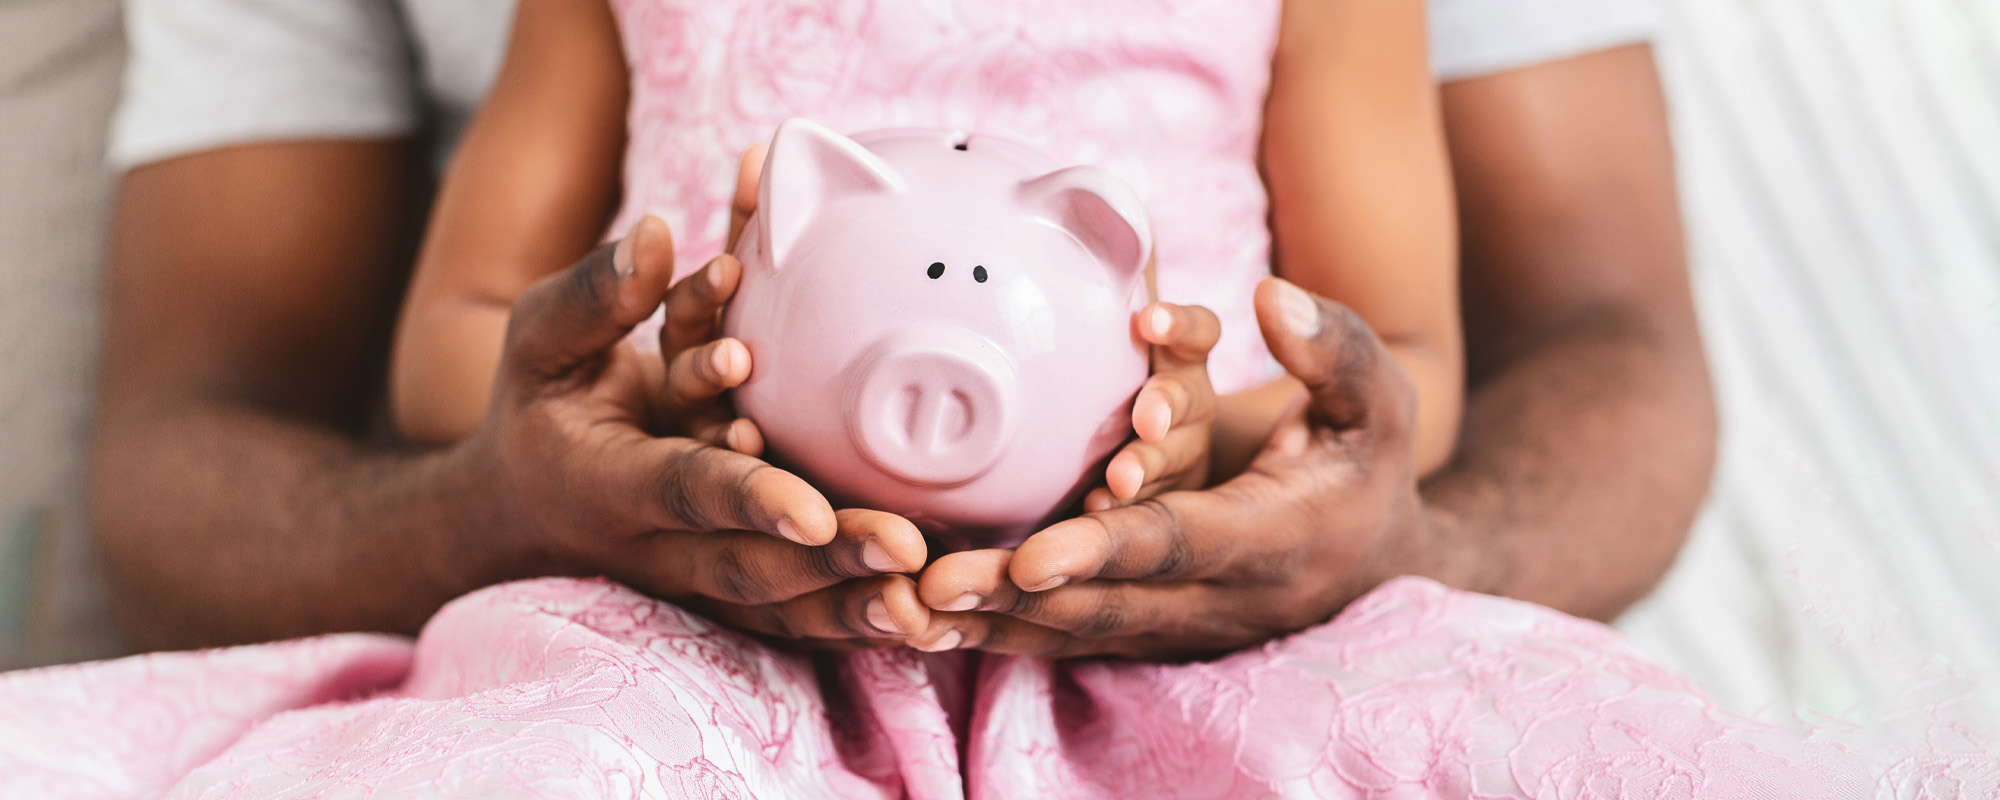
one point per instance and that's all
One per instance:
(220, 524)
(1581, 466)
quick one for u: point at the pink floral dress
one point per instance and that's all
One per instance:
(563, 688)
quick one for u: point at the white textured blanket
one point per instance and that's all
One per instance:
(1841, 174)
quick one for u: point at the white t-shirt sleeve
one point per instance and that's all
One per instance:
(209, 73)
(1470, 38)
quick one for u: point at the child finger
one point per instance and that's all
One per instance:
(998, 633)
(693, 305)
(1144, 469)
(1180, 334)
(966, 581)
(749, 173)
(1172, 399)
(702, 373)
(739, 434)
(883, 542)
(866, 608)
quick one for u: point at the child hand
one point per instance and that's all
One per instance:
(700, 366)
(1172, 414)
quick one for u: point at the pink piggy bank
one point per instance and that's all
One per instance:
(940, 326)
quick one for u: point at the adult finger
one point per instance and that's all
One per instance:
(1175, 536)
(748, 568)
(1351, 376)
(748, 172)
(573, 317)
(999, 633)
(679, 484)
(978, 581)
(883, 607)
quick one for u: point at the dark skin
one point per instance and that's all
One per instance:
(237, 500)
(1584, 454)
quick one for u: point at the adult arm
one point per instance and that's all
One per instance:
(1589, 432)
(1583, 457)
(235, 498)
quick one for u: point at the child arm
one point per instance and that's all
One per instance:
(1361, 195)
(529, 192)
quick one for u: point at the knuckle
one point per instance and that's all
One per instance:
(1151, 457)
(821, 563)
(1108, 618)
(736, 581)
(1174, 390)
(1019, 603)
(678, 486)
(587, 285)
(1177, 555)
(778, 622)
(738, 502)
(1205, 330)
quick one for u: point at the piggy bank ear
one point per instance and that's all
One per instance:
(807, 168)
(1099, 211)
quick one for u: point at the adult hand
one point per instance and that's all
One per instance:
(575, 474)
(1326, 511)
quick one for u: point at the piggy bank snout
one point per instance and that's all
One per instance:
(932, 408)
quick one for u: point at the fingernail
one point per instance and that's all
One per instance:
(1125, 477)
(723, 359)
(964, 602)
(1048, 584)
(790, 531)
(621, 256)
(878, 616)
(732, 438)
(1161, 320)
(877, 557)
(1300, 311)
(949, 641)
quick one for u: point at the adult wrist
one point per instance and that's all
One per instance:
(494, 536)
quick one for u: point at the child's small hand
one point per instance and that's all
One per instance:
(1172, 413)
(700, 366)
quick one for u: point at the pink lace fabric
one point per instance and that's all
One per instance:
(566, 688)
(1166, 94)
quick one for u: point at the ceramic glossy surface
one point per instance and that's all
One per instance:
(940, 324)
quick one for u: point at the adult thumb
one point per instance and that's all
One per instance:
(574, 316)
(1353, 379)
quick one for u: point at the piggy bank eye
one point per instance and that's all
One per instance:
(978, 274)
(936, 271)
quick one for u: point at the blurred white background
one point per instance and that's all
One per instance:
(1841, 181)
